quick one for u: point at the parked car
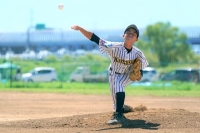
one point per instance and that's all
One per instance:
(150, 74)
(183, 74)
(84, 74)
(40, 74)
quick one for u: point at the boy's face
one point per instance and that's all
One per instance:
(130, 36)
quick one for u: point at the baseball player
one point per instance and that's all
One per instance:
(122, 56)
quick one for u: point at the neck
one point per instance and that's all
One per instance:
(128, 45)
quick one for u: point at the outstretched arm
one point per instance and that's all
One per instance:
(91, 36)
(86, 33)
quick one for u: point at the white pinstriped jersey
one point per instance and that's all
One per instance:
(121, 60)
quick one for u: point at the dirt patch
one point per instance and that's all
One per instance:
(33, 112)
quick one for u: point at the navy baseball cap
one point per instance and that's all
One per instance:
(133, 27)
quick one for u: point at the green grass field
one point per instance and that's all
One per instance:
(173, 89)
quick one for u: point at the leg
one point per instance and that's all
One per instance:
(120, 97)
(117, 82)
(112, 90)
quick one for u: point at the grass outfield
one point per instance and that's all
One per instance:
(173, 89)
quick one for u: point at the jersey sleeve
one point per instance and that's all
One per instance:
(107, 46)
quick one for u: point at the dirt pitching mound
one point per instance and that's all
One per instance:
(73, 113)
(152, 119)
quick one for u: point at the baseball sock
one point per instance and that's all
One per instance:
(120, 97)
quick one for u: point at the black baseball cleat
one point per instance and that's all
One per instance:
(117, 118)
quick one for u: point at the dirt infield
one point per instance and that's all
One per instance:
(72, 113)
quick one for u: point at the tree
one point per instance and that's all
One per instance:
(167, 42)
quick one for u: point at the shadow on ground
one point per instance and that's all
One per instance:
(135, 124)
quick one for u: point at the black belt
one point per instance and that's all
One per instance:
(115, 72)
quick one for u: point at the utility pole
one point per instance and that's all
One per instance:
(11, 77)
(29, 28)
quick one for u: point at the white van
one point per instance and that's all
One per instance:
(150, 74)
(40, 74)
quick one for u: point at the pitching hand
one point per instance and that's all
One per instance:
(75, 27)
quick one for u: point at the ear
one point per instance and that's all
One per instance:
(123, 35)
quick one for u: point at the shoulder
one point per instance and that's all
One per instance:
(136, 49)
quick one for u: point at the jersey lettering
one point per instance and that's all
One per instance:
(125, 62)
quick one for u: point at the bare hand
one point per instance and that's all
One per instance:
(75, 27)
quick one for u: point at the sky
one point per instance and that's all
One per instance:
(18, 15)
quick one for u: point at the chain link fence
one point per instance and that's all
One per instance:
(189, 72)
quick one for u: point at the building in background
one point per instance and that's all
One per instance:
(54, 39)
